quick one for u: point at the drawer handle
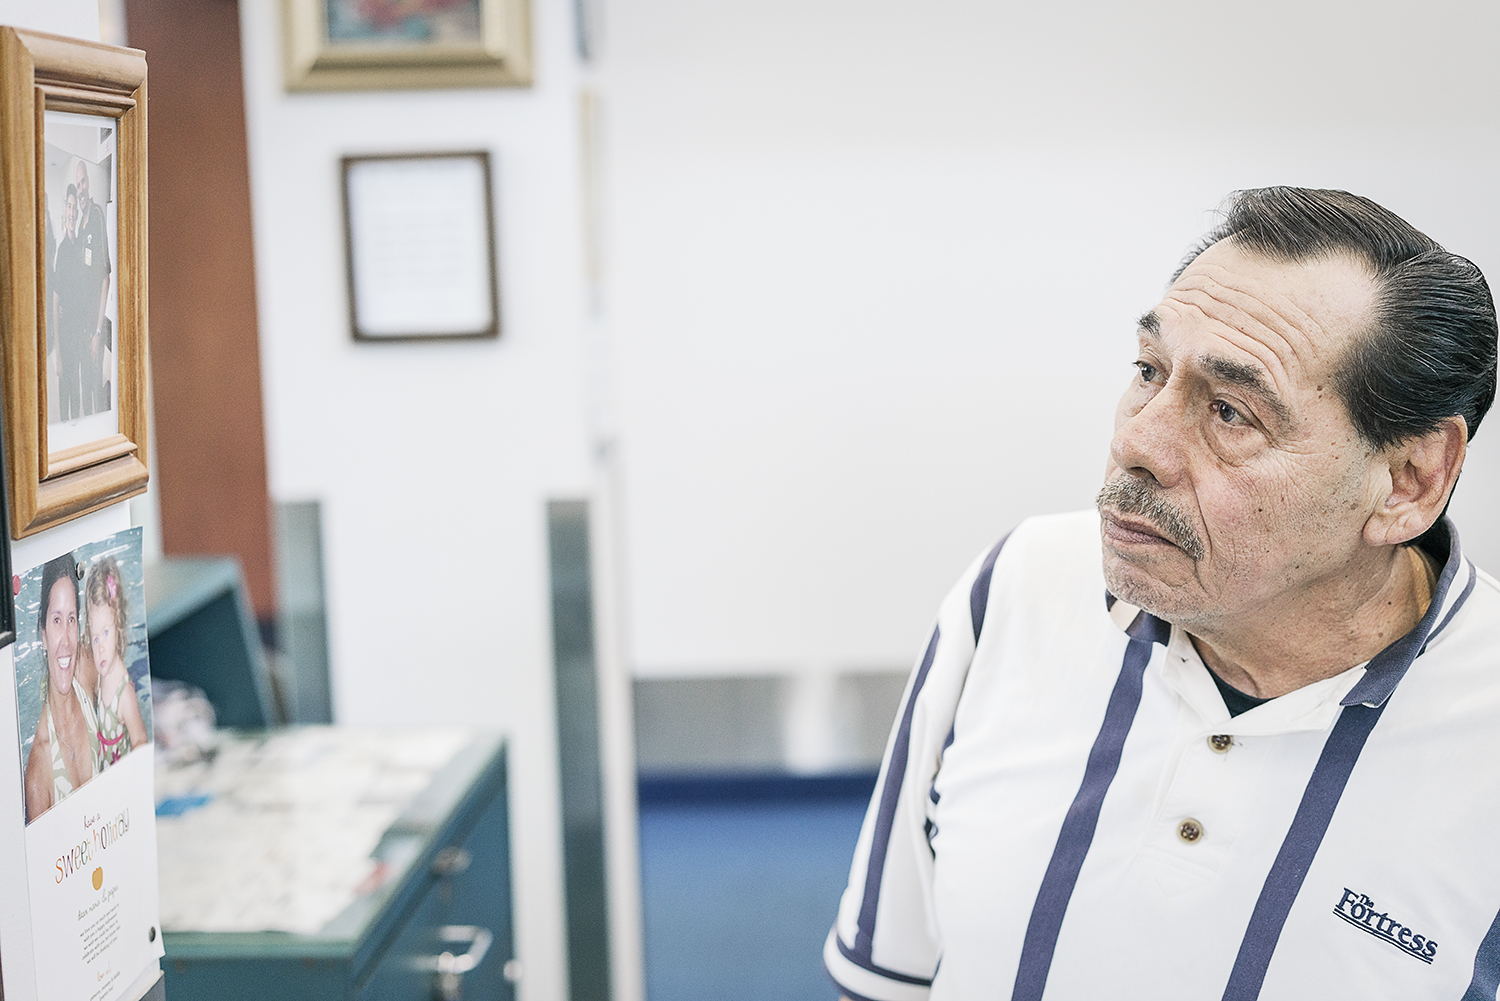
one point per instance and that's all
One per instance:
(478, 940)
(451, 861)
(450, 968)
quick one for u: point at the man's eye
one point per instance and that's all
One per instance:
(1148, 371)
(1227, 413)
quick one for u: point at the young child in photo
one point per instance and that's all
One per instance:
(121, 727)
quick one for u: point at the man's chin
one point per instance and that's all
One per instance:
(1135, 585)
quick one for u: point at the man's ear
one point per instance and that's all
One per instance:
(1422, 473)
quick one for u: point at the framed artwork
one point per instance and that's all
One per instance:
(419, 238)
(404, 44)
(73, 326)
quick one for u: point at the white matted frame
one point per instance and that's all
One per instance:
(419, 241)
(322, 52)
(39, 74)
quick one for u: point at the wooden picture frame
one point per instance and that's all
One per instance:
(330, 45)
(7, 608)
(419, 246)
(41, 76)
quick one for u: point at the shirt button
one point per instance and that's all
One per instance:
(1220, 743)
(1190, 831)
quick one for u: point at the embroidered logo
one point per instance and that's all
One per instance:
(1360, 911)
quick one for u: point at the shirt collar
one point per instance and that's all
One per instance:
(1137, 623)
(1386, 669)
(1311, 707)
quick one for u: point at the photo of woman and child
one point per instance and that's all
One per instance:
(89, 714)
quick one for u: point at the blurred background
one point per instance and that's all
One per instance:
(802, 306)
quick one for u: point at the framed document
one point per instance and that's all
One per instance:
(73, 330)
(420, 245)
(402, 44)
(78, 832)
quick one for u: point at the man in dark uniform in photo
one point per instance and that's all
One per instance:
(48, 263)
(93, 291)
(69, 312)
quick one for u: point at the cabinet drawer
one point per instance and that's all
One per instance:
(449, 852)
(256, 979)
(474, 893)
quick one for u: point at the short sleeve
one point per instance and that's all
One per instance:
(885, 945)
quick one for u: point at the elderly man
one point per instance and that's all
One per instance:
(1248, 757)
(93, 292)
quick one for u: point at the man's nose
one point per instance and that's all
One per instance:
(1150, 442)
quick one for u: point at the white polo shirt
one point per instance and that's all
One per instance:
(1067, 811)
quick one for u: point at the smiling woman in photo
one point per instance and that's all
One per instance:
(65, 752)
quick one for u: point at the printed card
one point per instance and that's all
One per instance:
(83, 707)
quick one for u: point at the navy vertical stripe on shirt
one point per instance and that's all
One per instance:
(979, 594)
(864, 936)
(1082, 819)
(1284, 881)
(1486, 982)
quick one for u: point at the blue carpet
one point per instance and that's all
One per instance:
(741, 879)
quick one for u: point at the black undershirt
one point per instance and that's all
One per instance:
(1235, 700)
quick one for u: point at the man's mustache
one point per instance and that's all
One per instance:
(1129, 495)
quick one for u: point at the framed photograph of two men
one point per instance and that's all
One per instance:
(73, 240)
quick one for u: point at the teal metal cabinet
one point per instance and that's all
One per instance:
(445, 904)
(201, 631)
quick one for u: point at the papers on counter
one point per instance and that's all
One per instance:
(276, 832)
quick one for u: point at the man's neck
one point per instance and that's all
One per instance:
(1283, 650)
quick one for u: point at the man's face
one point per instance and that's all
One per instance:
(1236, 480)
(81, 179)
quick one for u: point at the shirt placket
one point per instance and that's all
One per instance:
(1209, 795)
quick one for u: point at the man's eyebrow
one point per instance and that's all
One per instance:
(1150, 323)
(1250, 378)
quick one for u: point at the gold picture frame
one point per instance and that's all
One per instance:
(102, 90)
(343, 45)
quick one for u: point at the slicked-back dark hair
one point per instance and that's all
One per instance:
(1430, 351)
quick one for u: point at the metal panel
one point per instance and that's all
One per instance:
(577, 686)
(302, 626)
(201, 631)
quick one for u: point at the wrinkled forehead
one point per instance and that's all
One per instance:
(1294, 318)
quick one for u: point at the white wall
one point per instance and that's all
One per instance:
(78, 18)
(872, 270)
(433, 461)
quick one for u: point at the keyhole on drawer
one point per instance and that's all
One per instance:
(451, 861)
